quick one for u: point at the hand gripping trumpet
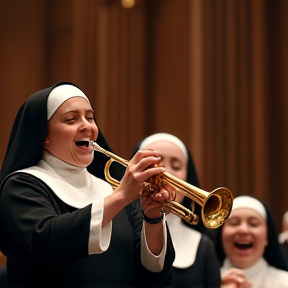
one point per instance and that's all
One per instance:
(216, 205)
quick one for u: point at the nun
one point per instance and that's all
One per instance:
(61, 223)
(248, 247)
(196, 264)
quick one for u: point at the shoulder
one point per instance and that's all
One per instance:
(21, 178)
(277, 271)
(207, 241)
(278, 274)
(24, 185)
(207, 248)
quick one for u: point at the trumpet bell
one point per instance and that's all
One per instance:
(217, 207)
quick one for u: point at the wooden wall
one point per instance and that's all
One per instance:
(212, 72)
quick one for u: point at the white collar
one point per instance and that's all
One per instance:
(255, 273)
(74, 185)
(185, 241)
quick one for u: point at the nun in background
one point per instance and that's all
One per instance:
(196, 264)
(62, 226)
(248, 247)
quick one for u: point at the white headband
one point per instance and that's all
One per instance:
(166, 137)
(285, 218)
(59, 95)
(249, 202)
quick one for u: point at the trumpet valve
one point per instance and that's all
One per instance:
(154, 185)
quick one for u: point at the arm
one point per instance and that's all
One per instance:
(140, 168)
(146, 277)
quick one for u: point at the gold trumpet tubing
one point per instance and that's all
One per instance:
(198, 195)
(179, 210)
(113, 157)
(110, 179)
(216, 205)
(98, 148)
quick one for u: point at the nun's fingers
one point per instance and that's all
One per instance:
(237, 281)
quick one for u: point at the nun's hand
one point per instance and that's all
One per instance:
(152, 204)
(141, 167)
(235, 279)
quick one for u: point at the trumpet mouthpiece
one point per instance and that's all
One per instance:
(95, 146)
(88, 143)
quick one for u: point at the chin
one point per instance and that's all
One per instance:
(84, 162)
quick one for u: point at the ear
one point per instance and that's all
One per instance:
(46, 140)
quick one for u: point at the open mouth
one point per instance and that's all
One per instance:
(243, 246)
(83, 143)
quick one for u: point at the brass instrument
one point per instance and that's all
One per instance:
(216, 205)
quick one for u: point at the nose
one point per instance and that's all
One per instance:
(243, 227)
(168, 169)
(86, 126)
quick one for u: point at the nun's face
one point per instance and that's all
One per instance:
(72, 122)
(244, 237)
(173, 159)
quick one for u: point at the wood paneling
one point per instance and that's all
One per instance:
(213, 73)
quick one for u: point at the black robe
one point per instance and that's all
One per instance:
(53, 251)
(204, 272)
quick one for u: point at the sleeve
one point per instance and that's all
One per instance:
(145, 277)
(99, 238)
(35, 220)
(154, 263)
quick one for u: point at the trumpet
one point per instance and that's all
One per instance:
(216, 205)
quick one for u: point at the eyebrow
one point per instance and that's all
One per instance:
(76, 111)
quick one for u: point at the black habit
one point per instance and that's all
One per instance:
(46, 240)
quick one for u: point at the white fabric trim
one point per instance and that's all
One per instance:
(249, 202)
(285, 218)
(59, 95)
(185, 241)
(99, 238)
(154, 263)
(283, 237)
(75, 186)
(164, 137)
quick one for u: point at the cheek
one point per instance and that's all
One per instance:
(262, 239)
(95, 132)
(227, 237)
(180, 174)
